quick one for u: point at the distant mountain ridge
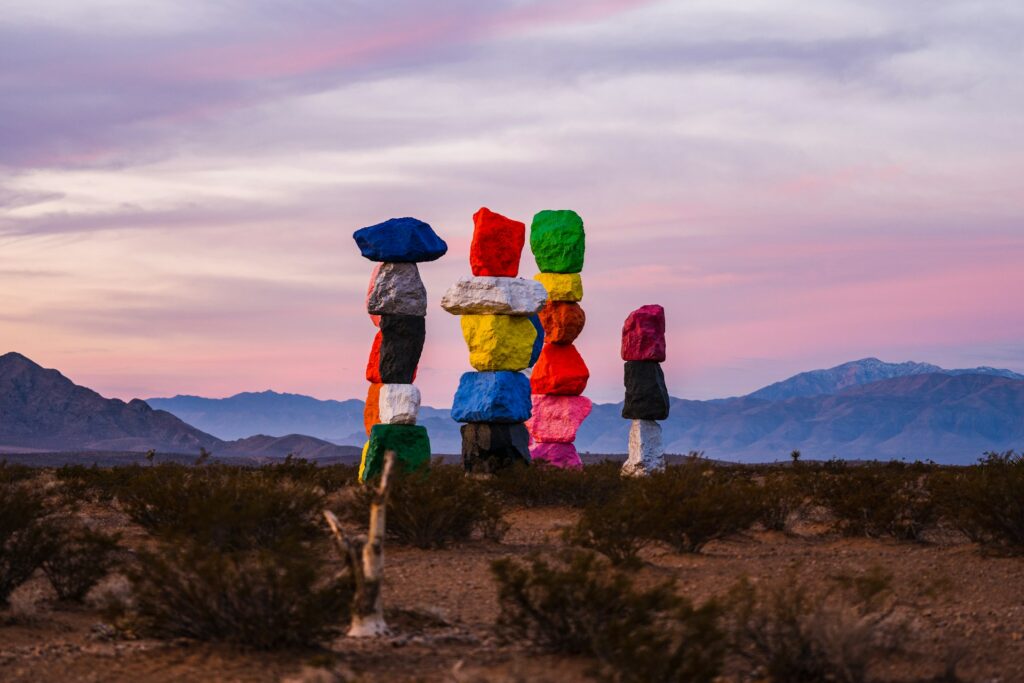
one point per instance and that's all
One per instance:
(863, 371)
(42, 410)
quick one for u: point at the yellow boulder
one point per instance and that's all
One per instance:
(561, 286)
(498, 342)
(362, 460)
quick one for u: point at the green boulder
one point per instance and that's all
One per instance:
(409, 442)
(558, 241)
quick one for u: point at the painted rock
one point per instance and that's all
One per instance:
(556, 419)
(375, 319)
(489, 447)
(494, 296)
(561, 287)
(646, 393)
(643, 334)
(371, 409)
(373, 363)
(562, 455)
(399, 404)
(563, 321)
(397, 290)
(538, 343)
(646, 453)
(560, 370)
(492, 397)
(558, 241)
(498, 342)
(400, 240)
(497, 244)
(409, 442)
(402, 338)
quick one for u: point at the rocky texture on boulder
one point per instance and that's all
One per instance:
(560, 370)
(556, 455)
(400, 240)
(410, 443)
(563, 321)
(488, 447)
(498, 342)
(399, 404)
(556, 419)
(494, 296)
(643, 334)
(557, 241)
(397, 290)
(646, 450)
(396, 302)
(492, 397)
(646, 393)
(401, 345)
(561, 287)
(497, 244)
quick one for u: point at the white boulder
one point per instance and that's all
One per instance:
(485, 295)
(646, 452)
(396, 289)
(399, 404)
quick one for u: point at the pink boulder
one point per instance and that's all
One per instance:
(643, 334)
(562, 455)
(556, 419)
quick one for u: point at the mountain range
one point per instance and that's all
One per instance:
(42, 410)
(862, 409)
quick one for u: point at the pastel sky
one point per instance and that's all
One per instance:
(798, 183)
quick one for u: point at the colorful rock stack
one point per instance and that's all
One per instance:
(643, 349)
(560, 375)
(499, 325)
(397, 303)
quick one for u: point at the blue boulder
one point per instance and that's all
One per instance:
(400, 240)
(501, 396)
(538, 343)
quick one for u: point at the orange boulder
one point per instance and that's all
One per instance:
(560, 371)
(562, 321)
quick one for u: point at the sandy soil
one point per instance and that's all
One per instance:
(952, 600)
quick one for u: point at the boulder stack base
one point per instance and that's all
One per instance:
(560, 375)
(396, 302)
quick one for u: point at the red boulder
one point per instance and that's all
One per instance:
(373, 364)
(643, 334)
(497, 244)
(560, 371)
(562, 321)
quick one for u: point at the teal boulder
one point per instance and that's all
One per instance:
(409, 442)
(558, 241)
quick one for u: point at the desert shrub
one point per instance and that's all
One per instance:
(13, 474)
(793, 634)
(580, 606)
(230, 508)
(262, 599)
(985, 501)
(694, 503)
(874, 500)
(541, 485)
(782, 495)
(618, 530)
(80, 558)
(97, 484)
(26, 538)
(434, 508)
(329, 477)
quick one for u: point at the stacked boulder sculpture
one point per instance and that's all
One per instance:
(647, 401)
(559, 377)
(501, 329)
(396, 301)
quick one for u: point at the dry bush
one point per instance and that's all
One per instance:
(618, 529)
(783, 494)
(79, 559)
(580, 606)
(434, 508)
(793, 634)
(330, 478)
(13, 474)
(230, 508)
(540, 485)
(985, 501)
(26, 538)
(261, 599)
(874, 500)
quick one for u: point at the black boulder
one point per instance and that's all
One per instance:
(646, 393)
(401, 343)
(488, 447)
